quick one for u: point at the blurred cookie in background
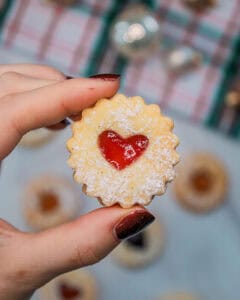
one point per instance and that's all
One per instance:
(49, 201)
(37, 138)
(142, 248)
(62, 2)
(201, 183)
(1, 4)
(200, 5)
(179, 296)
(76, 285)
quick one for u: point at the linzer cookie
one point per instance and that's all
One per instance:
(123, 151)
(141, 249)
(37, 138)
(50, 201)
(201, 183)
(179, 296)
(76, 285)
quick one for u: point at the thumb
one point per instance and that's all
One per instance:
(84, 241)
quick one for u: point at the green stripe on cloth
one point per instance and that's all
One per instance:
(121, 62)
(203, 29)
(235, 131)
(210, 32)
(103, 41)
(4, 11)
(229, 71)
(178, 19)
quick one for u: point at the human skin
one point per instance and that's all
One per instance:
(34, 96)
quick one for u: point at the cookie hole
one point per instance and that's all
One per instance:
(201, 181)
(48, 202)
(68, 291)
(137, 241)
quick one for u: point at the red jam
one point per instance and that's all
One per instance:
(201, 181)
(48, 202)
(69, 292)
(121, 152)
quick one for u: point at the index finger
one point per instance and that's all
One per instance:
(33, 70)
(49, 105)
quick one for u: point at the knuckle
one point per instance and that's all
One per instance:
(54, 73)
(8, 82)
(85, 257)
(8, 76)
(94, 255)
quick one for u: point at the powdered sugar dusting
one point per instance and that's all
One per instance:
(145, 177)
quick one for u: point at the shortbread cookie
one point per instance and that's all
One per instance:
(49, 201)
(141, 249)
(62, 2)
(76, 285)
(201, 182)
(37, 137)
(179, 296)
(123, 151)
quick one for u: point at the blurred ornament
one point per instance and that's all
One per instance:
(62, 2)
(182, 59)
(232, 107)
(200, 5)
(233, 100)
(135, 32)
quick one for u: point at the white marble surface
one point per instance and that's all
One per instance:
(202, 253)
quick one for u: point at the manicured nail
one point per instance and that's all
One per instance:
(69, 77)
(133, 223)
(106, 77)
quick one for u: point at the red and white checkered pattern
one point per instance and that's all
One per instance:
(193, 94)
(66, 38)
(49, 33)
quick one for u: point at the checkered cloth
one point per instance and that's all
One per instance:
(76, 40)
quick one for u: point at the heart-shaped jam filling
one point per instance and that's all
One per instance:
(121, 152)
(69, 292)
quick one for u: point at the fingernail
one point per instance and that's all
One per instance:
(106, 77)
(69, 77)
(133, 223)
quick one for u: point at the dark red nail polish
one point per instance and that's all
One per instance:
(133, 223)
(106, 77)
(69, 77)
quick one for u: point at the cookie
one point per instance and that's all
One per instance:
(141, 249)
(123, 151)
(37, 138)
(76, 285)
(201, 183)
(62, 2)
(50, 201)
(179, 296)
(200, 5)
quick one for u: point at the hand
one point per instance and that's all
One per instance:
(33, 96)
